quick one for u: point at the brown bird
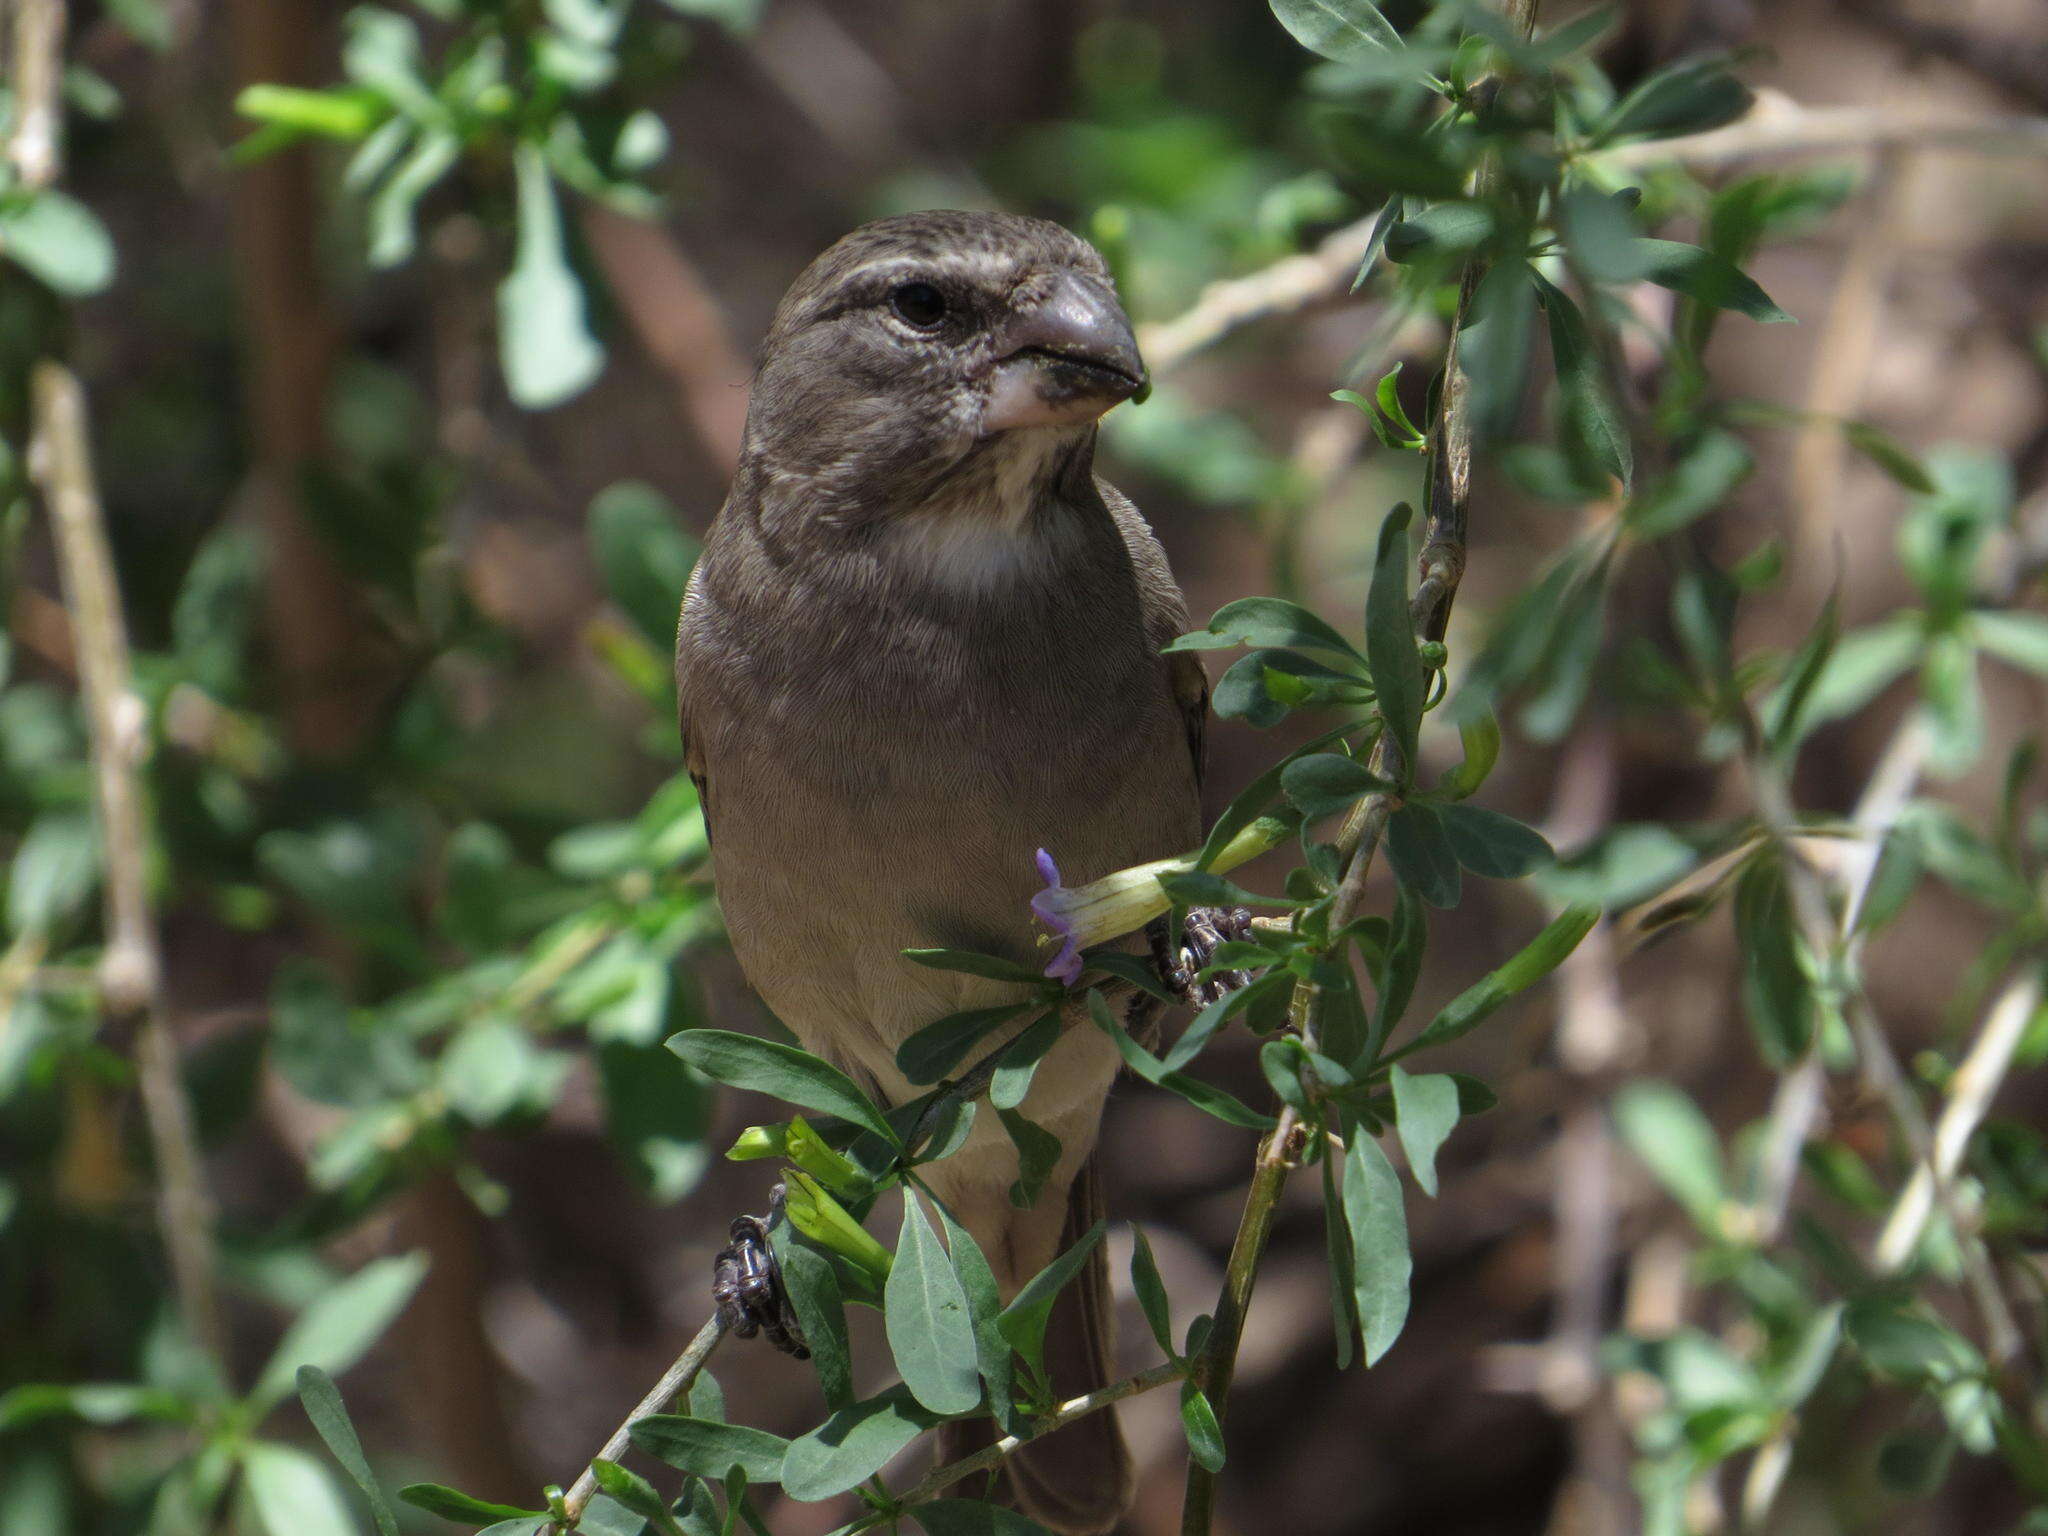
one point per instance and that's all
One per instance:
(923, 643)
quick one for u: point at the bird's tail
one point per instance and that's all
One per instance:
(1077, 1480)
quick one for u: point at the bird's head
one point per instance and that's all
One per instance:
(939, 356)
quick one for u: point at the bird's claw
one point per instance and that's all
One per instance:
(1202, 932)
(746, 1285)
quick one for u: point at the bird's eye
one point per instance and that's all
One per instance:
(920, 304)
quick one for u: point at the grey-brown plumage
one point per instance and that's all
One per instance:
(924, 642)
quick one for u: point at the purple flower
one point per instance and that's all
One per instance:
(1049, 907)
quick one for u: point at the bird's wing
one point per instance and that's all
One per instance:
(1166, 618)
(688, 687)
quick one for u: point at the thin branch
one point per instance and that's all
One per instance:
(675, 1381)
(942, 1478)
(1970, 1092)
(131, 966)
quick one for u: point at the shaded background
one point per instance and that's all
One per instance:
(245, 340)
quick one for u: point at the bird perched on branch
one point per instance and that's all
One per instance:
(923, 643)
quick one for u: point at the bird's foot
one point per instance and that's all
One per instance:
(746, 1285)
(1202, 932)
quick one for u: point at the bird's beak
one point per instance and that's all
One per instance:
(1064, 359)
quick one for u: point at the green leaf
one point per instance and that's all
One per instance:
(1399, 680)
(1245, 811)
(967, 963)
(1706, 279)
(1210, 1100)
(984, 1306)
(1198, 1423)
(1776, 990)
(1024, 1320)
(323, 1405)
(1344, 30)
(1493, 347)
(1376, 242)
(1593, 428)
(1267, 622)
(813, 1287)
(657, 1114)
(1380, 1261)
(632, 1492)
(391, 211)
(1151, 1291)
(544, 341)
(1425, 1113)
(1667, 1131)
(339, 1327)
(644, 556)
(971, 1517)
(1862, 665)
(1199, 888)
(1909, 1345)
(1038, 1153)
(2019, 638)
(1420, 854)
(1012, 1080)
(1705, 475)
(1688, 97)
(1262, 686)
(52, 236)
(1343, 1278)
(452, 1504)
(1490, 844)
(1889, 455)
(1407, 939)
(1447, 227)
(709, 1448)
(1915, 1464)
(100, 1403)
(930, 1333)
(292, 1493)
(930, 1055)
(1381, 154)
(782, 1071)
(1324, 783)
(54, 871)
(853, 1445)
(1537, 959)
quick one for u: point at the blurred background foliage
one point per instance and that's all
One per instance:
(416, 340)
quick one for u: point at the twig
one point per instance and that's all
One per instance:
(675, 1381)
(1796, 1105)
(1970, 1092)
(131, 966)
(942, 1478)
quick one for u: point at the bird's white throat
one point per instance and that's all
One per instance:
(991, 529)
